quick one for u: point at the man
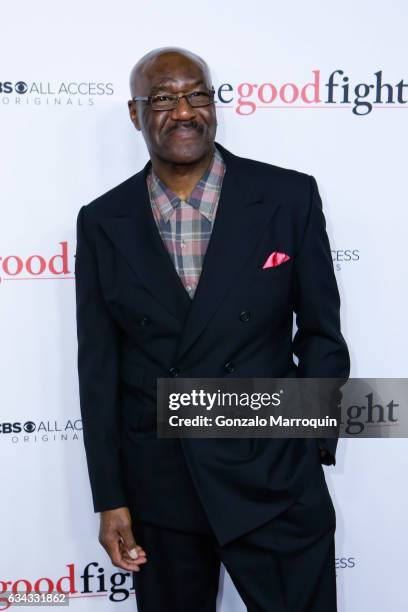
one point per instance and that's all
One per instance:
(171, 281)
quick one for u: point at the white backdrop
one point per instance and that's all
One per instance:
(64, 144)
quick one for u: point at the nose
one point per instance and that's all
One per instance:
(183, 111)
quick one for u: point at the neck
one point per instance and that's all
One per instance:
(181, 178)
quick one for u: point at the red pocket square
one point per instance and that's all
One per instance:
(275, 259)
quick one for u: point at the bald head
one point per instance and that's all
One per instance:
(164, 63)
(185, 133)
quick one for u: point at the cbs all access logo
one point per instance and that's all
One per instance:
(63, 93)
(345, 563)
(41, 431)
(344, 257)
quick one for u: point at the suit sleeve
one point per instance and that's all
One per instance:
(98, 369)
(318, 343)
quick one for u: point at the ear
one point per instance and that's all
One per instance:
(133, 114)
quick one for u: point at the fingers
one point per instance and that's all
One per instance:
(131, 552)
(120, 557)
(134, 556)
(117, 538)
(126, 554)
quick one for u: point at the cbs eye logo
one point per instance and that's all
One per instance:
(21, 87)
(7, 87)
(29, 426)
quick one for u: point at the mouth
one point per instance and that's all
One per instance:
(186, 130)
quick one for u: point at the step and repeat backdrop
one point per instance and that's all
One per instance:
(319, 87)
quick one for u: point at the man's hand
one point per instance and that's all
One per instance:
(115, 535)
(325, 457)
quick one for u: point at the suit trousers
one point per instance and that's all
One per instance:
(285, 565)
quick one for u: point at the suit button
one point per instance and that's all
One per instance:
(174, 372)
(144, 321)
(245, 316)
(229, 367)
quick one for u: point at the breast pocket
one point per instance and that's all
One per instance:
(272, 291)
(275, 271)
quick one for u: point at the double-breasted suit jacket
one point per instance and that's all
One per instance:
(136, 323)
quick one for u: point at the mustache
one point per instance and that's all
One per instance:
(185, 125)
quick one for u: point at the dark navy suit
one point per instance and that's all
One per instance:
(136, 323)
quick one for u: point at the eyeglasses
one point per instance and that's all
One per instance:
(164, 102)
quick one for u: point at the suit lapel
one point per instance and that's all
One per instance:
(241, 217)
(134, 233)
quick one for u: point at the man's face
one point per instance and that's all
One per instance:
(185, 134)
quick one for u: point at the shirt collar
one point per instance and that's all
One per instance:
(204, 196)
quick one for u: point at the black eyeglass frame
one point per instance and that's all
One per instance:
(148, 99)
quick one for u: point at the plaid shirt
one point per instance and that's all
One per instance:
(185, 225)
